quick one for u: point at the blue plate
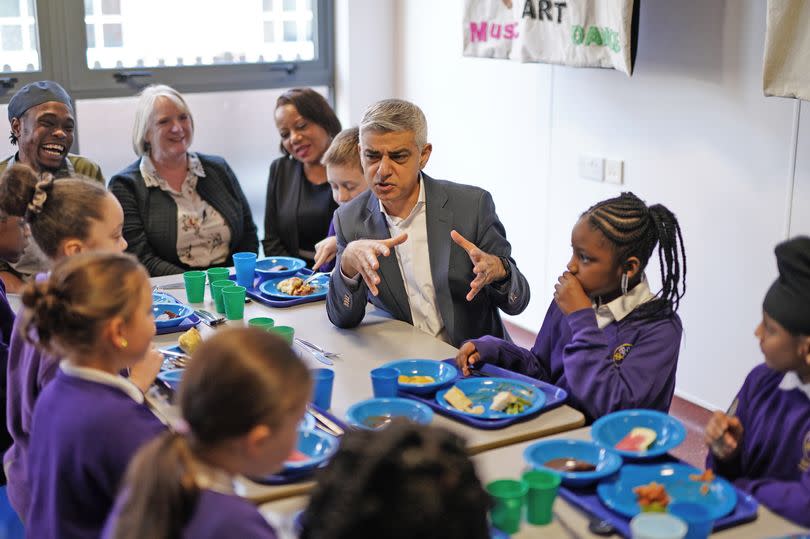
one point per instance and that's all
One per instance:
(618, 495)
(181, 311)
(606, 462)
(172, 377)
(270, 288)
(442, 372)
(163, 297)
(483, 390)
(264, 267)
(307, 423)
(609, 430)
(316, 445)
(371, 414)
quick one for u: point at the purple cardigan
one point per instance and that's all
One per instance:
(773, 463)
(6, 328)
(216, 516)
(571, 352)
(84, 434)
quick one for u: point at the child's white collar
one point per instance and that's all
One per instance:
(101, 377)
(791, 380)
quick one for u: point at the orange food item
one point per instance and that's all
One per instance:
(705, 477)
(652, 497)
(297, 456)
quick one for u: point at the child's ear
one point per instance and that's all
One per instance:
(70, 247)
(114, 333)
(804, 348)
(257, 438)
(631, 267)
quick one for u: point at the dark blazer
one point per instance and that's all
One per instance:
(150, 215)
(467, 209)
(281, 209)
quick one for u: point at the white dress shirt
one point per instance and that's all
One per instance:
(620, 307)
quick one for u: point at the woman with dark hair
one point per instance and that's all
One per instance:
(299, 200)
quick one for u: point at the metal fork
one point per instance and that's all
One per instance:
(210, 318)
(330, 355)
(314, 276)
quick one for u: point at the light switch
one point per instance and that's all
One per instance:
(591, 168)
(614, 171)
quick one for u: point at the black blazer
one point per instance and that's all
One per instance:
(150, 215)
(281, 210)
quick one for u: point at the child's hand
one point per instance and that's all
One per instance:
(144, 372)
(325, 251)
(466, 357)
(723, 435)
(569, 294)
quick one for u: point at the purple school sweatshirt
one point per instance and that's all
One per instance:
(773, 463)
(84, 434)
(6, 325)
(216, 516)
(628, 364)
(29, 370)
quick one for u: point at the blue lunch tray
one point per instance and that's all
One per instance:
(255, 294)
(185, 325)
(554, 397)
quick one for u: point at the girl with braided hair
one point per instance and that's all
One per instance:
(95, 311)
(242, 397)
(407, 481)
(606, 338)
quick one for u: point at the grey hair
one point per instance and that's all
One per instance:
(391, 115)
(146, 109)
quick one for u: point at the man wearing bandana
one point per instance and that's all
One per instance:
(42, 126)
(763, 443)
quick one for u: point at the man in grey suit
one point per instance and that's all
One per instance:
(432, 253)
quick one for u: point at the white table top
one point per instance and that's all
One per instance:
(568, 521)
(377, 340)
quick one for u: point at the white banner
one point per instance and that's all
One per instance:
(786, 64)
(581, 33)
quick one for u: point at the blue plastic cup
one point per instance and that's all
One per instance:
(245, 264)
(323, 380)
(697, 517)
(384, 382)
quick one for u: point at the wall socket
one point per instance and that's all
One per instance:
(614, 171)
(591, 168)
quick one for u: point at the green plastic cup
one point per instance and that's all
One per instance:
(262, 322)
(216, 274)
(195, 286)
(285, 332)
(542, 488)
(216, 293)
(507, 510)
(234, 299)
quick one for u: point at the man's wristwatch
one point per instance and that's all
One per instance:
(506, 267)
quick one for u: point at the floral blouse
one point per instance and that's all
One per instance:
(203, 236)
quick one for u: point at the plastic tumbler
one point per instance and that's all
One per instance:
(234, 299)
(384, 382)
(216, 274)
(245, 264)
(507, 509)
(285, 332)
(262, 322)
(542, 489)
(657, 526)
(323, 380)
(216, 293)
(195, 286)
(697, 517)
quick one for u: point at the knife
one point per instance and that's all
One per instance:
(317, 355)
(325, 421)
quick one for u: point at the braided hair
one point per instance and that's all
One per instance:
(634, 229)
(403, 482)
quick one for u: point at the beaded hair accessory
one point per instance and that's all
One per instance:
(41, 191)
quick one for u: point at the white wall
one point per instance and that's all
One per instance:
(692, 127)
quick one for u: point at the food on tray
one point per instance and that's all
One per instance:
(278, 268)
(415, 379)
(568, 464)
(460, 401)
(507, 402)
(189, 341)
(638, 439)
(166, 315)
(376, 421)
(297, 456)
(294, 286)
(706, 478)
(652, 498)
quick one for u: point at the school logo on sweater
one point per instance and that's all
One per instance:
(621, 352)
(804, 464)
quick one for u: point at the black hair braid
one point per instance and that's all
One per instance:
(635, 229)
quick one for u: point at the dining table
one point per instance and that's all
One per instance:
(377, 340)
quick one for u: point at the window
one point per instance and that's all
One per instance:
(114, 47)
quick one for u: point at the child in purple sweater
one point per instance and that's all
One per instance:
(606, 339)
(66, 216)
(763, 443)
(95, 310)
(242, 397)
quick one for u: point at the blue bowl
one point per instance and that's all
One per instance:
(442, 372)
(606, 462)
(264, 271)
(316, 445)
(172, 377)
(609, 430)
(181, 313)
(372, 414)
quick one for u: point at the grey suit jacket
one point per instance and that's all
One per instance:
(467, 209)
